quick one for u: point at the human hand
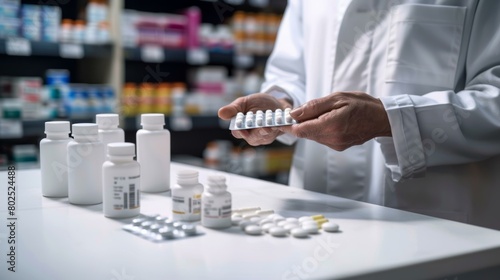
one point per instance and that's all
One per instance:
(340, 120)
(254, 102)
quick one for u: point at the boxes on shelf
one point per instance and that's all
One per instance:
(255, 33)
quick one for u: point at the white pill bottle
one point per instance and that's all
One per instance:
(153, 153)
(121, 182)
(85, 159)
(109, 132)
(53, 156)
(186, 196)
(216, 203)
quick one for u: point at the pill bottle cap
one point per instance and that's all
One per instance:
(107, 120)
(152, 119)
(121, 149)
(187, 176)
(85, 129)
(216, 183)
(57, 127)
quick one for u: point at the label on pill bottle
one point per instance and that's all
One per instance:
(186, 205)
(215, 208)
(125, 193)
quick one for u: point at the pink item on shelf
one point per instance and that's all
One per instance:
(193, 16)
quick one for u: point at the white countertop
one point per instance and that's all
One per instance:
(57, 240)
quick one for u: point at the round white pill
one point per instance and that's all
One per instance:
(330, 227)
(259, 113)
(146, 224)
(269, 120)
(278, 231)
(266, 227)
(292, 220)
(240, 115)
(137, 222)
(299, 233)
(239, 123)
(253, 230)
(155, 228)
(178, 225)
(235, 220)
(311, 229)
(259, 121)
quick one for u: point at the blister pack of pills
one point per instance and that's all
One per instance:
(158, 228)
(260, 119)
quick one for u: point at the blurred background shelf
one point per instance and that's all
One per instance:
(52, 49)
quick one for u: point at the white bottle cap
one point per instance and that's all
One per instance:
(216, 182)
(107, 120)
(85, 129)
(57, 127)
(187, 173)
(152, 119)
(121, 149)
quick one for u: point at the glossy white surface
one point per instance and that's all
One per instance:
(57, 240)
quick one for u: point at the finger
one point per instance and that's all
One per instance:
(230, 110)
(240, 134)
(315, 108)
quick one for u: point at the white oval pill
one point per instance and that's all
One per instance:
(311, 229)
(236, 220)
(299, 233)
(281, 223)
(167, 232)
(249, 216)
(239, 123)
(278, 231)
(259, 121)
(189, 229)
(330, 227)
(278, 218)
(292, 220)
(240, 115)
(253, 230)
(266, 227)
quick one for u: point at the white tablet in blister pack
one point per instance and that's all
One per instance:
(260, 119)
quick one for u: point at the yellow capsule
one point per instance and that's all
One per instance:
(317, 217)
(321, 221)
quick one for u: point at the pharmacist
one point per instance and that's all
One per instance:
(398, 103)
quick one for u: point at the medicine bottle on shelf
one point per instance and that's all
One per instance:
(109, 132)
(53, 153)
(121, 182)
(186, 196)
(85, 159)
(216, 203)
(153, 153)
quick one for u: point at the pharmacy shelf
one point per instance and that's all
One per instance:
(61, 50)
(179, 123)
(201, 57)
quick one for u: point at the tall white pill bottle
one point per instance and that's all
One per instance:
(53, 156)
(153, 153)
(85, 159)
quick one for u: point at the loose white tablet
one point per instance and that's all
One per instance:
(330, 227)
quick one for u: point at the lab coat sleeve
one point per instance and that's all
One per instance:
(448, 127)
(285, 70)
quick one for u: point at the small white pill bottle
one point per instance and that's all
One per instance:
(121, 182)
(216, 203)
(109, 132)
(53, 156)
(186, 196)
(153, 153)
(85, 159)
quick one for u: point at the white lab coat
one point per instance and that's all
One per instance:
(436, 67)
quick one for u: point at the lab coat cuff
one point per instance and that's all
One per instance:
(405, 156)
(279, 92)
